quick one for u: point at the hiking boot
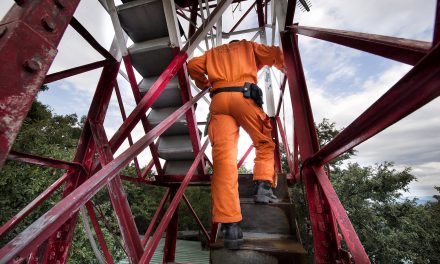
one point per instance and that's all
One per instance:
(232, 235)
(263, 193)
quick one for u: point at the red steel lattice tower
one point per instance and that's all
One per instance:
(29, 36)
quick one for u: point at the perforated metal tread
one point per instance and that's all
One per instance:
(278, 218)
(150, 58)
(137, 18)
(175, 147)
(257, 250)
(170, 96)
(177, 167)
(180, 127)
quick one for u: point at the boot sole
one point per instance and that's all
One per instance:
(263, 199)
(233, 244)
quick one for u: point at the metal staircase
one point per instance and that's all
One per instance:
(270, 231)
(153, 27)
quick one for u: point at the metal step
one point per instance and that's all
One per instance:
(278, 218)
(246, 187)
(178, 167)
(170, 96)
(150, 58)
(175, 147)
(143, 19)
(260, 251)
(180, 127)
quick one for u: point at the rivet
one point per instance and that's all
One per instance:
(3, 30)
(60, 3)
(31, 65)
(48, 24)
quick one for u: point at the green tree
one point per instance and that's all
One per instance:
(49, 135)
(44, 134)
(393, 229)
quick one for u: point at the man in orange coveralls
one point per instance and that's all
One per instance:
(229, 67)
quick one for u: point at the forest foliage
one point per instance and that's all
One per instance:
(391, 227)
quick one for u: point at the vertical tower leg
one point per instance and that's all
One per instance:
(325, 237)
(29, 37)
(169, 250)
(59, 243)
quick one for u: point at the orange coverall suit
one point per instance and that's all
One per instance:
(232, 65)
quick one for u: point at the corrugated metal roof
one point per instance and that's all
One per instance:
(186, 251)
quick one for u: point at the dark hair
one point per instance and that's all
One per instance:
(232, 41)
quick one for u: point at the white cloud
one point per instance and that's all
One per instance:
(406, 18)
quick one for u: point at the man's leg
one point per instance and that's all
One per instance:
(257, 124)
(223, 133)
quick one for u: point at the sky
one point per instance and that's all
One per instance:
(342, 82)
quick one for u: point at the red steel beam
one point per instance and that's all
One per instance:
(155, 217)
(276, 151)
(324, 239)
(190, 115)
(130, 234)
(99, 234)
(280, 100)
(193, 20)
(146, 102)
(137, 98)
(417, 88)
(29, 37)
(242, 17)
(209, 161)
(286, 146)
(169, 249)
(179, 178)
(214, 231)
(32, 205)
(295, 155)
(136, 180)
(124, 116)
(265, 11)
(23, 244)
(351, 238)
(198, 221)
(147, 169)
(260, 13)
(149, 251)
(245, 156)
(403, 50)
(436, 37)
(168, 181)
(43, 161)
(90, 39)
(74, 71)
(60, 242)
(290, 13)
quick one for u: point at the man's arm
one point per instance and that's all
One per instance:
(268, 55)
(197, 71)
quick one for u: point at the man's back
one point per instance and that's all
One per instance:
(233, 64)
